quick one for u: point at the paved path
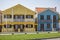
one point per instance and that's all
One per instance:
(52, 39)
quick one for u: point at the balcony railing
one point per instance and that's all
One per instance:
(47, 21)
(18, 20)
(6, 20)
(23, 20)
(29, 20)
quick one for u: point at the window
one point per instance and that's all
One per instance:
(7, 26)
(15, 16)
(48, 25)
(18, 16)
(16, 26)
(42, 25)
(29, 16)
(54, 25)
(29, 26)
(21, 16)
(7, 16)
(21, 26)
(42, 17)
(54, 18)
(48, 17)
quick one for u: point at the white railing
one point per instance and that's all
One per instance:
(4, 20)
(18, 20)
(29, 20)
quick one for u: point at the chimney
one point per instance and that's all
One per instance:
(55, 8)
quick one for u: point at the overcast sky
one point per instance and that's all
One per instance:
(31, 4)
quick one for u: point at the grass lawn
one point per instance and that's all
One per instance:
(28, 36)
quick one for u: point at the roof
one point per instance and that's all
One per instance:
(49, 10)
(18, 9)
(38, 9)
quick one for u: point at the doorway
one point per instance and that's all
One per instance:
(0, 28)
(41, 27)
(35, 27)
(21, 26)
(16, 28)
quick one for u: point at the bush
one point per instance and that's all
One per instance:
(12, 33)
(48, 32)
(37, 32)
(25, 33)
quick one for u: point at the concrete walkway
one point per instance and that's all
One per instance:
(52, 39)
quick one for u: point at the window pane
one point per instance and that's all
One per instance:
(18, 16)
(29, 26)
(48, 25)
(7, 16)
(21, 16)
(54, 25)
(48, 17)
(42, 25)
(7, 26)
(29, 16)
(54, 18)
(42, 17)
(16, 26)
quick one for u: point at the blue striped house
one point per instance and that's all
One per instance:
(48, 21)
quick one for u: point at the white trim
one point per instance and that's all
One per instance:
(12, 14)
(52, 24)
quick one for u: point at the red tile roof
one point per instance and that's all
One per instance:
(38, 10)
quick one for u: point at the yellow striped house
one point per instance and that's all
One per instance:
(18, 19)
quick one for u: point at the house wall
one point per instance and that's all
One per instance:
(45, 13)
(18, 10)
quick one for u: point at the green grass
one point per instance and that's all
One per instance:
(28, 36)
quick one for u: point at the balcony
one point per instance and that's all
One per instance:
(29, 20)
(18, 20)
(45, 21)
(7, 20)
(48, 21)
(55, 20)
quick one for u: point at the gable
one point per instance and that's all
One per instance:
(18, 9)
(48, 12)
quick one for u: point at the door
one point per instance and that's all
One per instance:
(41, 27)
(16, 28)
(35, 27)
(0, 28)
(21, 28)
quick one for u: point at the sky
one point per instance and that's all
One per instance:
(31, 4)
